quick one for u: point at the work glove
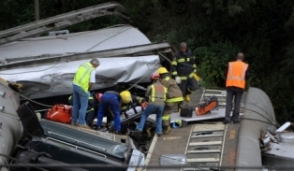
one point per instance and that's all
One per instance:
(178, 80)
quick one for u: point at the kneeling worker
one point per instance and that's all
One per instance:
(112, 100)
(173, 98)
(135, 101)
(156, 93)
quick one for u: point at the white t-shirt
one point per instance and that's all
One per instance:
(93, 76)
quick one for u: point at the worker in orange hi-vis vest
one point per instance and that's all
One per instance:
(237, 75)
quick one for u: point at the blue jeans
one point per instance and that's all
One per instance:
(152, 109)
(109, 101)
(80, 104)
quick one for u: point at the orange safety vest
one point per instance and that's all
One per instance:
(236, 74)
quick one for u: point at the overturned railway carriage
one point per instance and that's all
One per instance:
(45, 67)
(133, 60)
(206, 145)
(46, 142)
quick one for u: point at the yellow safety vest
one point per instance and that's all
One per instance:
(82, 77)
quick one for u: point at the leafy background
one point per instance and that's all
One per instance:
(214, 29)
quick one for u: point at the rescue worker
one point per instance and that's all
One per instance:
(112, 100)
(237, 74)
(173, 99)
(90, 113)
(82, 83)
(183, 67)
(156, 94)
(135, 101)
(108, 112)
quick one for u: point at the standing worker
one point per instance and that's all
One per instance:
(112, 100)
(173, 99)
(236, 80)
(90, 113)
(183, 67)
(82, 83)
(156, 93)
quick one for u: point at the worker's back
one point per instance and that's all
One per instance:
(156, 93)
(173, 90)
(236, 74)
(82, 77)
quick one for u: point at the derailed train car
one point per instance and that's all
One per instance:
(46, 142)
(45, 65)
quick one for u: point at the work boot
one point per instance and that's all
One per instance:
(166, 130)
(84, 126)
(148, 132)
(117, 132)
(102, 129)
(74, 124)
(227, 120)
(187, 98)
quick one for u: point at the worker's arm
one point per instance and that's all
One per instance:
(193, 62)
(247, 74)
(148, 92)
(140, 100)
(174, 64)
(92, 79)
(70, 100)
(91, 102)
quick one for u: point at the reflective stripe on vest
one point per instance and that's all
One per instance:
(167, 78)
(166, 117)
(90, 98)
(236, 74)
(174, 63)
(82, 77)
(176, 99)
(158, 91)
(181, 60)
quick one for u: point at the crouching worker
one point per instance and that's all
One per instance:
(132, 104)
(90, 113)
(173, 98)
(112, 100)
(156, 94)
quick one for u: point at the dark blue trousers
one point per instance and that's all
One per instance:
(109, 101)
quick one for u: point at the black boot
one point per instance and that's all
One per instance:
(227, 120)
(235, 118)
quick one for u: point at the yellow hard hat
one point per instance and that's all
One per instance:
(125, 97)
(162, 70)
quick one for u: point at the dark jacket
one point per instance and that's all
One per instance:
(183, 64)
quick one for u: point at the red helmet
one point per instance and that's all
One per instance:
(155, 76)
(98, 96)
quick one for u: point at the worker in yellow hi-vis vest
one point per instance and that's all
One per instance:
(156, 94)
(82, 83)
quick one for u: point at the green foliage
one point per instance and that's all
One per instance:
(214, 60)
